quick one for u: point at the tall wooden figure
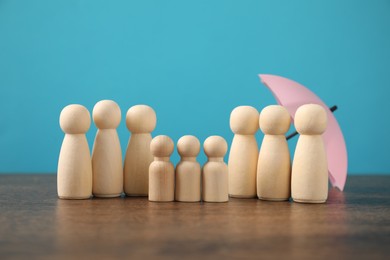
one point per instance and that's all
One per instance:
(244, 122)
(309, 182)
(188, 171)
(141, 121)
(106, 153)
(274, 166)
(161, 170)
(215, 186)
(74, 174)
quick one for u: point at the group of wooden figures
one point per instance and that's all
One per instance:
(148, 171)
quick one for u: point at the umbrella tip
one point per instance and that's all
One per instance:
(261, 78)
(337, 186)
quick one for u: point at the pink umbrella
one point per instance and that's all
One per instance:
(292, 95)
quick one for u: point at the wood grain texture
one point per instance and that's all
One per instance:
(161, 170)
(215, 184)
(188, 171)
(244, 151)
(140, 121)
(74, 162)
(35, 224)
(107, 169)
(107, 180)
(273, 165)
(309, 173)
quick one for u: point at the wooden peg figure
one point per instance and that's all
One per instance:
(274, 166)
(244, 122)
(215, 171)
(74, 174)
(188, 171)
(161, 170)
(106, 153)
(309, 183)
(141, 121)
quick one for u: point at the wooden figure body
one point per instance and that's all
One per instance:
(309, 182)
(188, 171)
(141, 121)
(106, 153)
(161, 170)
(244, 122)
(74, 174)
(215, 187)
(274, 166)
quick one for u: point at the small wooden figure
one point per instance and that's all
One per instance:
(274, 166)
(215, 171)
(161, 170)
(244, 122)
(74, 174)
(188, 171)
(106, 153)
(141, 121)
(309, 183)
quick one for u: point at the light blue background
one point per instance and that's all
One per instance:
(193, 61)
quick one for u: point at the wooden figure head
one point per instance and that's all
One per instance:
(188, 146)
(161, 146)
(311, 119)
(141, 119)
(274, 120)
(75, 119)
(106, 114)
(244, 120)
(215, 146)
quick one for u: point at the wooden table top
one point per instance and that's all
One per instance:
(34, 223)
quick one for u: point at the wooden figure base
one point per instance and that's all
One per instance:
(188, 201)
(274, 199)
(163, 201)
(107, 195)
(242, 196)
(309, 201)
(74, 198)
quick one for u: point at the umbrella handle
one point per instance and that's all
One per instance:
(332, 109)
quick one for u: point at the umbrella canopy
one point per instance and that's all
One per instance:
(292, 95)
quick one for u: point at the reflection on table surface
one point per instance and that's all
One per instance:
(34, 223)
